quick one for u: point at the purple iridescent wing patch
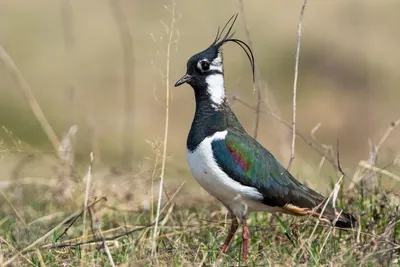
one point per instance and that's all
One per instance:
(238, 158)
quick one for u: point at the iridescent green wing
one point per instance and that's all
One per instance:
(250, 164)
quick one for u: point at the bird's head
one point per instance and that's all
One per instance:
(204, 70)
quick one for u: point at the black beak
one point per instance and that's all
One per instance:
(183, 80)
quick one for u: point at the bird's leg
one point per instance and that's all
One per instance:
(245, 238)
(234, 227)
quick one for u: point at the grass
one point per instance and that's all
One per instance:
(189, 234)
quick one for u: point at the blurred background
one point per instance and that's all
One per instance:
(102, 65)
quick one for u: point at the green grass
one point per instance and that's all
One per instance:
(191, 235)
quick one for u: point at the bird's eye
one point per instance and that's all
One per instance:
(205, 66)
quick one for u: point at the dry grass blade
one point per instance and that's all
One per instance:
(14, 249)
(302, 137)
(31, 99)
(88, 184)
(12, 207)
(296, 74)
(389, 130)
(72, 220)
(368, 166)
(170, 32)
(93, 241)
(49, 233)
(65, 149)
(256, 72)
(103, 241)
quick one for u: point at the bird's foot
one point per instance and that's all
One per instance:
(234, 227)
(223, 250)
(245, 246)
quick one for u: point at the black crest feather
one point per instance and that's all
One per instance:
(222, 38)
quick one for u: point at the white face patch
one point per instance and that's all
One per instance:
(216, 88)
(216, 64)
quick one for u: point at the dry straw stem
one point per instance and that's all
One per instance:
(334, 194)
(256, 71)
(66, 244)
(365, 165)
(103, 241)
(70, 218)
(308, 142)
(374, 150)
(170, 32)
(13, 208)
(29, 96)
(48, 234)
(309, 241)
(328, 149)
(370, 165)
(88, 184)
(14, 249)
(389, 130)
(296, 74)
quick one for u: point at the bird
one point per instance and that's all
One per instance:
(230, 164)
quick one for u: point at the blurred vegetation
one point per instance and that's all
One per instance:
(348, 71)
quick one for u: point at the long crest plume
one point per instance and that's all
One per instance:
(222, 38)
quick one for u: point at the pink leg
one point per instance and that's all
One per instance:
(234, 227)
(245, 237)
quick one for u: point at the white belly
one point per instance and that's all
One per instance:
(238, 198)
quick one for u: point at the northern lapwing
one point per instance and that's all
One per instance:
(231, 165)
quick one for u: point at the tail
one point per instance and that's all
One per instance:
(335, 216)
(329, 215)
(345, 220)
(303, 201)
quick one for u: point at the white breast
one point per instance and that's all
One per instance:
(238, 198)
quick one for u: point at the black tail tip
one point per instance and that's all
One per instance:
(346, 220)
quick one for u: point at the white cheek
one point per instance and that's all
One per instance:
(216, 64)
(216, 88)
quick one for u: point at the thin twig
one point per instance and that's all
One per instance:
(338, 158)
(49, 233)
(296, 73)
(153, 176)
(333, 196)
(394, 231)
(302, 137)
(373, 155)
(72, 220)
(103, 241)
(364, 164)
(256, 71)
(170, 32)
(30, 98)
(88, 184)
(39, 255)
(97, 240)
(389, 130)
(13, 208)
(13, 248)
(376, 149)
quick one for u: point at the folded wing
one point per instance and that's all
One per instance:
(250, 164)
